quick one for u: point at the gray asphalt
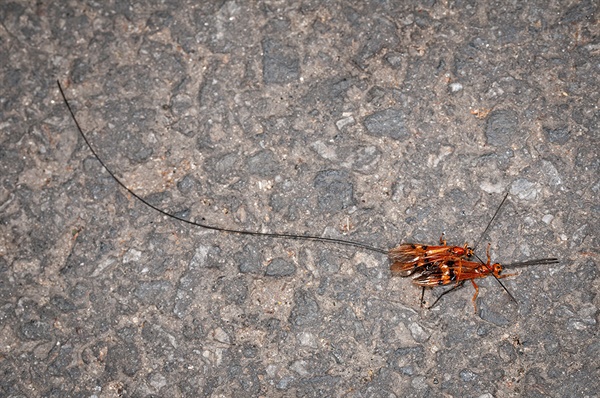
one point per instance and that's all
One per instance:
(374, 122)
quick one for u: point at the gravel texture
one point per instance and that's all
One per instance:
(379, 122)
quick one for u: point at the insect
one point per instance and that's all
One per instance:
(429, 265)
(432, 266)
(448, 271)
(415, 259)
(409, 258)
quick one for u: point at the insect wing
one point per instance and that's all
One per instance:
(406, 258)
(409, 258)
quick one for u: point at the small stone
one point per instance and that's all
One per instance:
(387, 123)
(336, 191)
(557, 136)
(467, 375)
(502, 128)
(131, 256)
(418, 333)
(524, 189)
(280, 62)
(548, 218)
(279, 267)
(344, 122)
(455, 87)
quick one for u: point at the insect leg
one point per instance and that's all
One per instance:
(475, 295)
(442, 240)
(455, 287)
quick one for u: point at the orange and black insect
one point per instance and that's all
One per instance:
(429, 265)
(446, 272)
(432, 266)
(410, 258)
(414, 259)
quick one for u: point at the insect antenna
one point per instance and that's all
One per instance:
(489, 224)
(505, 289)
(207, 226)
(541, 261)
(481, 238)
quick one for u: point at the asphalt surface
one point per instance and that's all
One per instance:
(375, 122)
